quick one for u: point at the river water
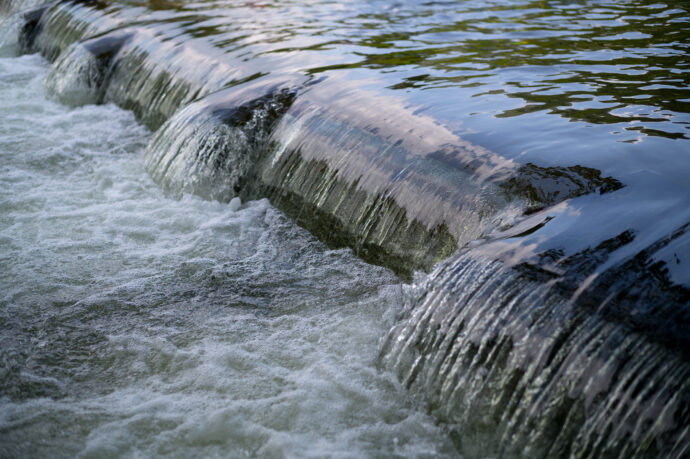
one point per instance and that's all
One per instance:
(531, 155)
(135, 324)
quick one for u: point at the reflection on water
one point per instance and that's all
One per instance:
(549, 137)
(601, 62)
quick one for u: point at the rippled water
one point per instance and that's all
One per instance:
(618, 63)
(597, 84)
(550, 136)
(133, 324)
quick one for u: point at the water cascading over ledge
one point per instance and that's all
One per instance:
(541, 338)
(409, 193)
(524, 364)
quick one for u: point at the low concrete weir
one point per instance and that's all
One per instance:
(526, 363)
(394, 185)
(555, 318)
(270, 139)
(403, 190)
(347, 180)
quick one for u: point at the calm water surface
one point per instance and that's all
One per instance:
(623, 64)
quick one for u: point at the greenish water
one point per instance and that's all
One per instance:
(601, 62)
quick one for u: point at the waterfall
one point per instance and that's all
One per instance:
(211, 148)
(523, 364)
(56, 26)
(77, 77)
(554, 321)
(357, 168)
(127, 67)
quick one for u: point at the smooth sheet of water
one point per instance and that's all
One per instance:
(521, 68)
(133, 324)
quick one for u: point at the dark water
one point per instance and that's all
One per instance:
(547, 141)
(493, 65)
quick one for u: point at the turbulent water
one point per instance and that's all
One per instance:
(134, 324)
(165, 291)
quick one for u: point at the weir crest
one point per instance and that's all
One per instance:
(534, 335)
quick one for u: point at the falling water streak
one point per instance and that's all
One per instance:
(10, 29)
(8, 7)
(65, 23)
(490, 350)
(76, 78)
(211, 153)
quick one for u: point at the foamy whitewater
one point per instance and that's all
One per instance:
(133, 324)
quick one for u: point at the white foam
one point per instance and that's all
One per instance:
(154, 326)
